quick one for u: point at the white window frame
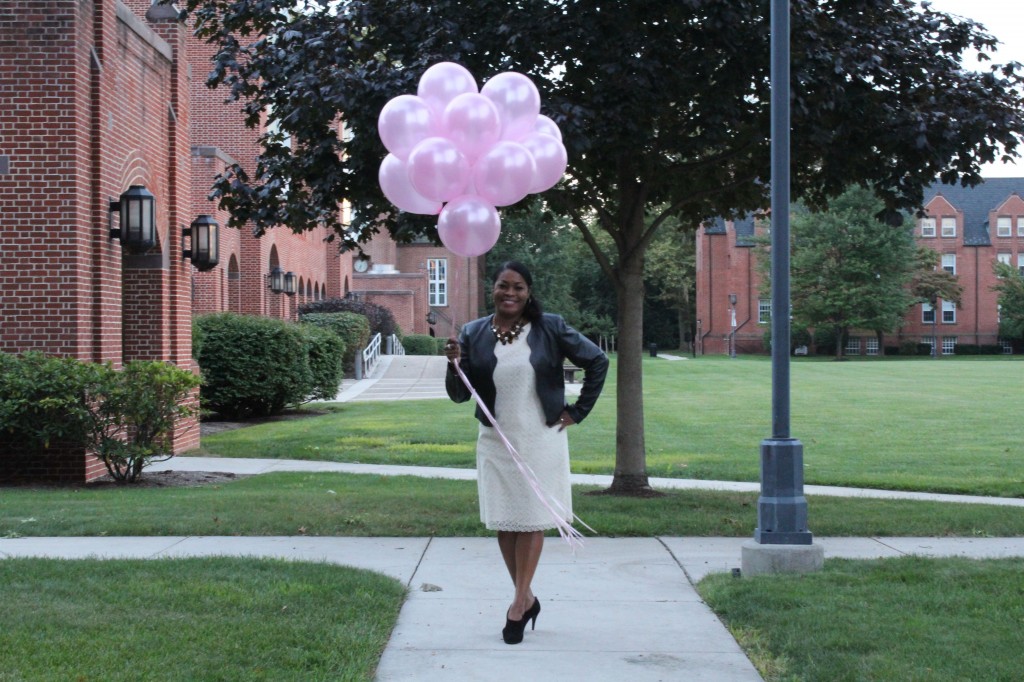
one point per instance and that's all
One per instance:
(437, 282)
(764, 311)
(1004, 227)
(926, 308)
(1007, 346)
(949, 227)
(948, 312)
(1020, 226)
(930, 340)
(1020, 263)
(871, 345)
(948, 345)
(852, 345)
(927, 227)
(1003, 257)
(949, 263)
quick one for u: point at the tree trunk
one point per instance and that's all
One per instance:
(839, 342)
(630, 453)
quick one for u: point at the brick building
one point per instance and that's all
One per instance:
(971, 228)
(102, 100)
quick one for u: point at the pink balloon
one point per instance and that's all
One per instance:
(403, 123)
(469, 226)
(394, 182)
(518, 103)
(438, 170)
(442, 83)
(546, 126)
(504, 174)
(471, 122)
(550, 158)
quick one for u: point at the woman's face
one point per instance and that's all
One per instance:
(510, 294)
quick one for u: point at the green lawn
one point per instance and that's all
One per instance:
(947, 425)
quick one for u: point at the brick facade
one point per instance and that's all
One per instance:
(970, 227)
(91, 102)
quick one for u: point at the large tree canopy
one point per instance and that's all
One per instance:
(663, 105)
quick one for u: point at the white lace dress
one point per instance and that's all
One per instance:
(507, 502)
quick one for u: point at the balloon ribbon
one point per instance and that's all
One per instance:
(555, 508)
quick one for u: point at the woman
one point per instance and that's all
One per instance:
(514, 359)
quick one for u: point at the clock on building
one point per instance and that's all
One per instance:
(361, 264)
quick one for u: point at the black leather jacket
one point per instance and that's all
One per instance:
(551, 342)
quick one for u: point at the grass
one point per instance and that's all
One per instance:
(892, 619)
(193, 619)
(949, 425)
(365, 505)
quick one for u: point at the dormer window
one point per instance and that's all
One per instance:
(927, 227)
(949, 227)
(1003, 227)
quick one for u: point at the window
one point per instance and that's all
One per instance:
(1020, 263)
(1007, 346)
(764, 311)
(437, 281)
(929, 340)
(949, 263)
(872, 345)
(948, 345)
(1003, 258)
(948, 312)
(927, 313)
(1003, 226)
(949, 227)
(852, 346)
(927, 227)
(1020, 227)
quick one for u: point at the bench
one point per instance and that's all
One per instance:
(570, 373)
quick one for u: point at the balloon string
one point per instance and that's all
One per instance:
(555, 508)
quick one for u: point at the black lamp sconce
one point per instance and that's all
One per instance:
(137, 229)
(201, 243)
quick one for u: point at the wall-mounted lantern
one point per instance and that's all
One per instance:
(137, 231)
(275, 280)
(431, 318)
(202, 243)
(290, 283)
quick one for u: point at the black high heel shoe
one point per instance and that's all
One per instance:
(513, 631)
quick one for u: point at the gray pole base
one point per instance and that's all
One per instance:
(761, 559)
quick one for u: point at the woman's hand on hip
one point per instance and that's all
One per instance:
(565, 420)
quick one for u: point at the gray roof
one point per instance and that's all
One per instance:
(976, 202)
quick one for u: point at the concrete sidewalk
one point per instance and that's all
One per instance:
(620, 609)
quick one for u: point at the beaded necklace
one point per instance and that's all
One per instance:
(509, 336)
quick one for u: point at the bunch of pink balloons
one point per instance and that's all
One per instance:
(458, 152)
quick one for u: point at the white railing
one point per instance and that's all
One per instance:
(395, 346)
(369, 358)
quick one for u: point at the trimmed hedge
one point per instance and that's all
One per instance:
(380, 318)
(422, 344)
(326, 350)
(979, 349)
(352, 328)
(252, 366)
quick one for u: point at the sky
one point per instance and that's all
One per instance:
(1005, 20)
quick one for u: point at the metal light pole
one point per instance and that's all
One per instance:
(782, 541)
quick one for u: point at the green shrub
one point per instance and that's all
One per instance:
(134, 412)
(125, 417)
(252, 366)
(43, 400)
(980, 349)
(352, 328)
(380, 318)
(825, 341)
(422, 344)
(326, 352)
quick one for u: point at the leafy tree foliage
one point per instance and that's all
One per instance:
(672, 274)
(661, 104)
(1010, 290)
(848, 269)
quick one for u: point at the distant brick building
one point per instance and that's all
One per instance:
(971, 228)
(99, 96)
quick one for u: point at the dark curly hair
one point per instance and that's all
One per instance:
(533, 309)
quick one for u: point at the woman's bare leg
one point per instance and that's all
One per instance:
(528, 547)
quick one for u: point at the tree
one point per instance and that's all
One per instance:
(932, 283)
(672, 272)
(1010, 290)
(848, 269)
(663, 106)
